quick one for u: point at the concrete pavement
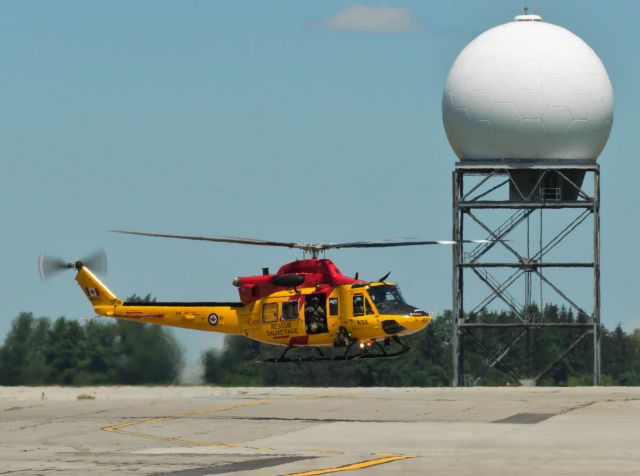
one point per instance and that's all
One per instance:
(275, 431)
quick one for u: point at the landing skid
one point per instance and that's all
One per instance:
(368, 353)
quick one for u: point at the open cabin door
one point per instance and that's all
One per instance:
(315, 313)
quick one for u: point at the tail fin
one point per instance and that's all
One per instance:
(94, 289)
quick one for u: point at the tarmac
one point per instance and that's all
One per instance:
(193, 431)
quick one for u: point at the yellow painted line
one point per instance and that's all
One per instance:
(327, 452)
(325, 395)
(208, 411)
(120, 428)
(354, 466)
(123, 428)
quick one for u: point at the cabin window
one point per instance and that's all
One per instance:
(270, 312)
(333, 306)
(358, 305)
(290, 310)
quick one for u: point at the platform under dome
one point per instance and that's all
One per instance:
(528, 90)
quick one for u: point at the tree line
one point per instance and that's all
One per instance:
(429, 363)
(41, 351)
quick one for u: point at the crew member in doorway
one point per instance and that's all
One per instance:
(315, 317)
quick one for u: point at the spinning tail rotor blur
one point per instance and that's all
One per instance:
(50, 266)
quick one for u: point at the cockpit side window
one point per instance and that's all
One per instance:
(386, 296)
(368, 307)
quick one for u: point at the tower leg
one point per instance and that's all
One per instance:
(596, 353)
(596, 280)
(456, 337)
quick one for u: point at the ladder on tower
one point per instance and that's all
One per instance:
(499, 290)
(503, 230)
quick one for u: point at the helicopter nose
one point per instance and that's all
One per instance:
(419, 313)
(407, 324)
(419, 319)
(425, 320)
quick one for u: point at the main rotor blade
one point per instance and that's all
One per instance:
(389, 244)
(310, 247)
(217, 239)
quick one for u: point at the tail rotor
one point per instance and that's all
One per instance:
(50, 266)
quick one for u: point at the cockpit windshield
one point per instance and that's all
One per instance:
(386, 296)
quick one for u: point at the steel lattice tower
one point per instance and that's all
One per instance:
(549, 185)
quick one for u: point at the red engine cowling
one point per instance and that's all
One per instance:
(301, 273)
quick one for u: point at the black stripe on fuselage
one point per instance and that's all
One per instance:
(183, 304)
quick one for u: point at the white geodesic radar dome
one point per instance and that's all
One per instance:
(528, 90)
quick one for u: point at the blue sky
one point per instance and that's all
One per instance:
(274, 119)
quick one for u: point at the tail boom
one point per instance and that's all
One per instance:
(212, 317)
(204, 316)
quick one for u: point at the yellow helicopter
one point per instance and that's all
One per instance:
(307, 303)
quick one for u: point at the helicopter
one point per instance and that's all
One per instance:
(308, 304)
